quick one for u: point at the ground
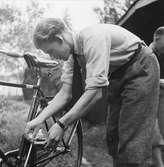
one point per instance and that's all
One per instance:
(95, 149)
(13, 114)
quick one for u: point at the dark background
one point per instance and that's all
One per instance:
(145, 20)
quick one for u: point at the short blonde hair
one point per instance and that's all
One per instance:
(158, 33)
(47, 29)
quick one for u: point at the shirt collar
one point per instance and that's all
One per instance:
(77, 44)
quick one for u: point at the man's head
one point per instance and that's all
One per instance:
(53, 37)
(158, 40)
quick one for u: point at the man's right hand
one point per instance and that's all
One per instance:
(32, 129)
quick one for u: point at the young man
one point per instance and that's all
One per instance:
(158, 48)
(113, 57)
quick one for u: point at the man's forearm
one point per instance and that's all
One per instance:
(59, 101)
(87, 100)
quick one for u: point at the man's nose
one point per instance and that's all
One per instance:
(52, 56)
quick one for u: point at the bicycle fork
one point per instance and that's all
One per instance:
(25, 153)
(28, 156)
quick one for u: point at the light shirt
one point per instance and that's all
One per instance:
(101, 48)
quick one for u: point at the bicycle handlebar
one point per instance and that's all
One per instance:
(11, 54)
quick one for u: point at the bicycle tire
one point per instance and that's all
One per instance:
(64, 160)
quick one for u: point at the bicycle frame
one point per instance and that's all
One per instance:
(38, 98)
(32, 112)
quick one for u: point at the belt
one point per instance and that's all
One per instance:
(121, 70)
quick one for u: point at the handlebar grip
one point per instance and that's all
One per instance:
(11, 54)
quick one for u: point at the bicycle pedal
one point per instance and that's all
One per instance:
(55, 150)
(40, 142)
(60, 148)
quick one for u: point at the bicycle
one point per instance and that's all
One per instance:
(34, 154)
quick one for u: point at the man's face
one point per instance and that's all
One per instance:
(159, 44)
(56, 50)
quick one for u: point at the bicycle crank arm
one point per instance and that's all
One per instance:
(55, 154)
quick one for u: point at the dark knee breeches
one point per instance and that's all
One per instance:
(133, 98)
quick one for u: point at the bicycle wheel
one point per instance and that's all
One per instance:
(70, 158)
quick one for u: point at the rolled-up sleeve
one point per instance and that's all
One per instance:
(67, 74)
(97, 55)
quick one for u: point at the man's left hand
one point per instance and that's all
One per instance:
(55, 134)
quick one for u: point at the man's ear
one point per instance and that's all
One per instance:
(59, 38)
(157, 38)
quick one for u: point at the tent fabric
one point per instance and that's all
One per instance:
(138, 4)
(144, 3)
(143, 18)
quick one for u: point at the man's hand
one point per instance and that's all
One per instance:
(32, 129)
(55, 134)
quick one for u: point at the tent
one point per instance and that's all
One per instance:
(143, 18)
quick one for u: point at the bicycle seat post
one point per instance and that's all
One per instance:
(38, 73)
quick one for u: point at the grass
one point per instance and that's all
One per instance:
(13, 114)
(12, 122)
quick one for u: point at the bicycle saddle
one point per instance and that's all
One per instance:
(34, 61)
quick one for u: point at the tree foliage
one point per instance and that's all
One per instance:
(16, 33)
(113, 10)
(17, 26)
(16, 29)
(67, 18)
